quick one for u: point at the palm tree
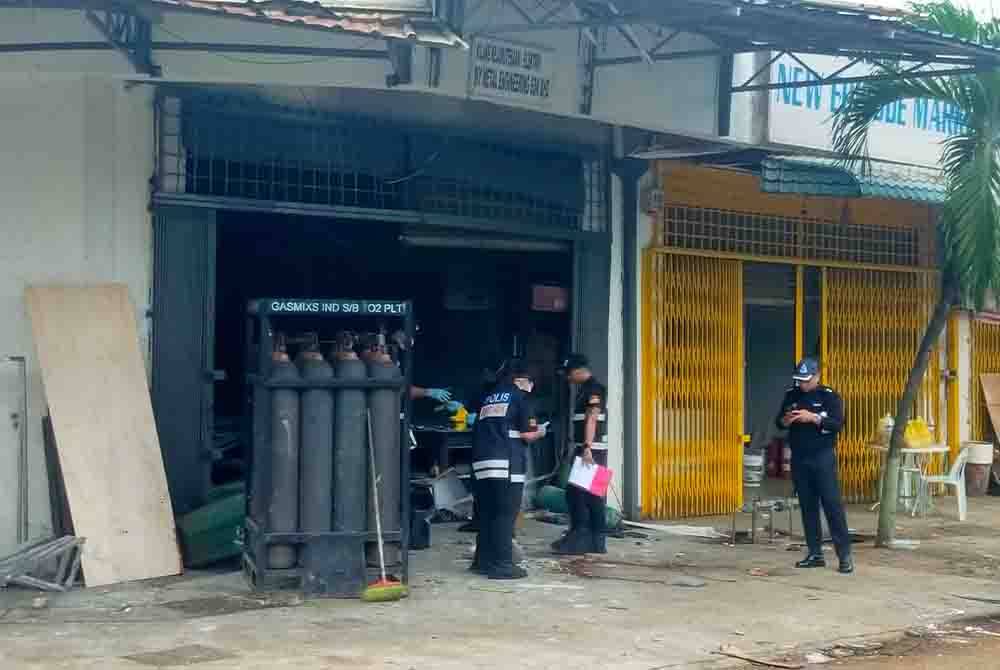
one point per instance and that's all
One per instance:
(970, 215)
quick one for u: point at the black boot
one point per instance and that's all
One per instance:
(846, 566)
(508, 572)
(575, 543)
(812, 561)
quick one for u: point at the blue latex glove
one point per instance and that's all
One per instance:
(453, 406)
(440, 395)
(470, 420)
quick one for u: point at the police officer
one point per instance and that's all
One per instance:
(813, 415)
(586, 511)
(506, 425)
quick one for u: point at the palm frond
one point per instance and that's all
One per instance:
(853, 121)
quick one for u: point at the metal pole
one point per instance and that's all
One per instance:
(22, 454)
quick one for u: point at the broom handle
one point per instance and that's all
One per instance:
(378, 516)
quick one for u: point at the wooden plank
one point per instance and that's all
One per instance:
(991, 392)
(95, 384)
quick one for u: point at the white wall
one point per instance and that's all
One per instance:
(669, 96)
(77, 156)
(675, 96)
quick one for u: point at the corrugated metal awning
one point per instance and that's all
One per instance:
(809, 175)
(416, 28)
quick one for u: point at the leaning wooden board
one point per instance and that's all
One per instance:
(991, 392)
(95, 385)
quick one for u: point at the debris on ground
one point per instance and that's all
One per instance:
(904, 544)
(758, 572)
(733, 652)
(816, 658)
(688, 581)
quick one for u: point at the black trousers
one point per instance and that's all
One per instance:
(498, 501)
(586, 516)
(815, 476)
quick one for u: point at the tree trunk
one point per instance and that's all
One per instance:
(888, 496)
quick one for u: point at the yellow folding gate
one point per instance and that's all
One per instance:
(692, 405)
(872, 322)
(985, 360)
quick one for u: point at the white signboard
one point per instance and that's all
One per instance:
(908, 131)
(510, 71)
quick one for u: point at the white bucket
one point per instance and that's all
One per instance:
(980, 453)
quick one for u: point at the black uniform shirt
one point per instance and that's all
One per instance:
(497, 448)
(824, 401)
(592, 394)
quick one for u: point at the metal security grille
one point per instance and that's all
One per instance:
(872, 325)
(692, 415)
(254, 152)
(985, 360)
(788, 238)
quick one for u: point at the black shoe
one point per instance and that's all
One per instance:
(600, 546)
(846, 566)
(812, 561)
(476, 568)
(513, 572)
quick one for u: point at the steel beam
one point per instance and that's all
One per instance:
(128, 33)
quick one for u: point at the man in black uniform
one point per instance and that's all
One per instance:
(813, 415)
(589, 440)
(506, 424)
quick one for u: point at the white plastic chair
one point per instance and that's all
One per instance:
(955, 477)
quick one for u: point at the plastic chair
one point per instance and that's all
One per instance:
(956, 478)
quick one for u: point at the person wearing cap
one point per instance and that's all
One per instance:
(586, 511)
(813, 414)
(506, 424)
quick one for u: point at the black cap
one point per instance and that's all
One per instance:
(806, 370)
(575, 362)
(517, 368)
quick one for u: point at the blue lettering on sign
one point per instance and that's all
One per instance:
(929, 116)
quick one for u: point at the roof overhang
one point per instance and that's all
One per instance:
(862, 33)
(128, 26)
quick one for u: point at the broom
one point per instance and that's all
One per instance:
(385, 589)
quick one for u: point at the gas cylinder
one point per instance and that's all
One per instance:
(316, 452)
(774, 458)
(283, 511)
(350, 454)
(786, 460)
(384, 405)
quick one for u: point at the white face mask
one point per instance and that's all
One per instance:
(524, 384)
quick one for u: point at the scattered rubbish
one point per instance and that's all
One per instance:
(636, 535)
(26, 566)
(813, 597)
(862, 646)
(739, 633)
(617, 608)
(904, 544)
(978, 599)
(687, 581)
(733, 652)
(39, 603)
(686, 531)
(816, 658)
(757, 572)
(568, 587)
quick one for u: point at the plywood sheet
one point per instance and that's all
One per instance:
(991, 392)
(95, 386)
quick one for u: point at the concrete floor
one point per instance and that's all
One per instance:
(662, 602)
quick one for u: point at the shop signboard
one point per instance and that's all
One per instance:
(907, 131)
(511, 71)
